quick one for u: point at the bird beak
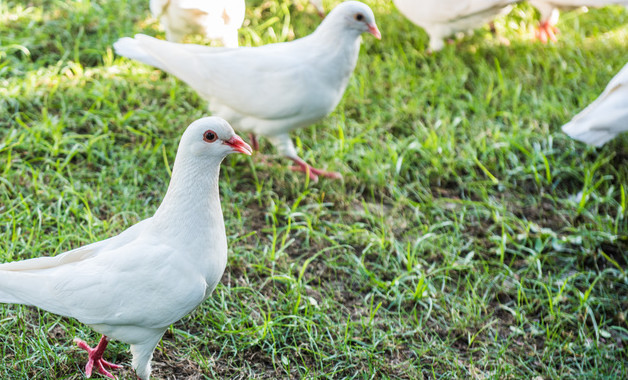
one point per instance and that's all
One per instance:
(239, 145)
(374, 31)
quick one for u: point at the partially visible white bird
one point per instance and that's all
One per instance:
(549, 10)
(215, 19)
(131, 287)
(272, 89)
(442, 18)
(606, 117)
(318, 4)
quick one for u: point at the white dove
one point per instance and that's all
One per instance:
(549, 10)
(215, 19)
(442, 18)
(131, 287)
(606, 117)
(272, 89)
(318, 4)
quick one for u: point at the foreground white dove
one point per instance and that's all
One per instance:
(131, 287)
(215, 19)
(272, 89)
(549, 10)
(442, 18)
(606, 117)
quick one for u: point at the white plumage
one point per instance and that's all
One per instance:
(442, 18)
(131, 287)
(549, 10)
(215, 19)
(318, 4)
(606, 117)
(273, 89)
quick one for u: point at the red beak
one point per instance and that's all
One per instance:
(374, 31)
(239, 145)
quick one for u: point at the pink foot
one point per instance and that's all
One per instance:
(546, 32)
(303, 166)
(95, 358)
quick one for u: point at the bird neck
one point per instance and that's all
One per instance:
(191, 207)
(337, 47)
(333, 32)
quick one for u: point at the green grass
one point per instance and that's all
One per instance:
(455, 247)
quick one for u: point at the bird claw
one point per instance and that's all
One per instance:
(546, 32)
(95, 358)
(314, 173)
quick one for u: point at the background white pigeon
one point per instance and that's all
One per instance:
(215, 19)
(442, 18)
(606, 117)
(269, 90)
(131, 287)
(549, 13)
(318, 4)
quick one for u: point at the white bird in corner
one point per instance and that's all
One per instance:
(131, 287)
(443, 18)
(215, 19)
(272, 89)
(549, 10)
(318, 4)
(606, 117)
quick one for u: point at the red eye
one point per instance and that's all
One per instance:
(210, 136)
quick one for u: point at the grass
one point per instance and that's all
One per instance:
(470, 238)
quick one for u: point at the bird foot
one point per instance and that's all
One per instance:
(95, 358)
(312, 172)
(546, 32)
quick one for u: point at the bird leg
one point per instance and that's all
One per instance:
(254, 142)
(501, 39)
(312, 172)
(95, 357)
(546, 32)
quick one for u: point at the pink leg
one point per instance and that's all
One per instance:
(546, 32)
(254, 143)
(303, 166)
(95, 357)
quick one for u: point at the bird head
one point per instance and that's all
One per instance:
(357, 16)
(213, 137)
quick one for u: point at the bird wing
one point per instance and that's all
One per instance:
(606, 117)
(580, 3)
(142, 282)
(247, 80)
(78, 254)
(468, 8)
(436, 11)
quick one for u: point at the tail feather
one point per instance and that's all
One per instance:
(180, 60)
(604, 118)
(588, 136)
(18, 287)
(6, 297)
(33, 288)
(131, 48)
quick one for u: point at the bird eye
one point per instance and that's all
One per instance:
(359, 17)
(210, 136)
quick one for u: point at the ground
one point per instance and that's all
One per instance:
(469, 238)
